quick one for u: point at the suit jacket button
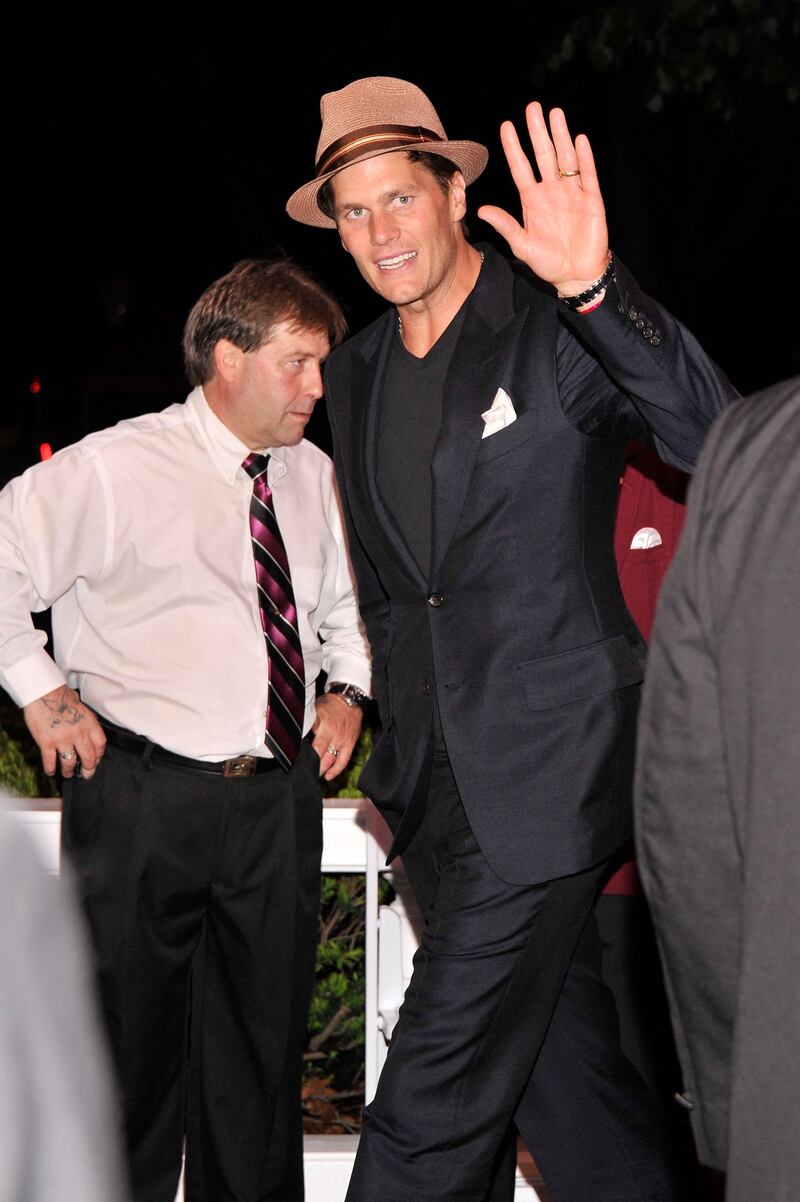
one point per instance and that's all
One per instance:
(632, 313)
(639, 323)
(655, 340)
(427, 688)
(435, 599)
(648, 330)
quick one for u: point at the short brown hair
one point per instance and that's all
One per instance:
(441, 169)
(246, 304)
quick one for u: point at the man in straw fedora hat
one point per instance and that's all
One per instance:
(479, 428)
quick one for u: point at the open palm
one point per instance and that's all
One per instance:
(563, 236)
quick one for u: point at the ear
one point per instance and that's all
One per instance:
(227, 360)
(458, 196)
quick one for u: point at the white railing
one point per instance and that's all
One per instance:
(355, 839)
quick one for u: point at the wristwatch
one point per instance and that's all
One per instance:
(349, 693)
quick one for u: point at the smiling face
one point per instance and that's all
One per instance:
(265, 397)
(401, 228)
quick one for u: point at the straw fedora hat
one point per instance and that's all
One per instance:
(374, 116)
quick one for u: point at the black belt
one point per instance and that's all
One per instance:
(238, 765)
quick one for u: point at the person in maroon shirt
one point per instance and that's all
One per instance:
(649, 520)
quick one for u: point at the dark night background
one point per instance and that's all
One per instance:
(146, 162)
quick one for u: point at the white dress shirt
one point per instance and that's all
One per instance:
(139, 538)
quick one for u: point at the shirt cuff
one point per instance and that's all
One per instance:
(32, 678)
(350, 669)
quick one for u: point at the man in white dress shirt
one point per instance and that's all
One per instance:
(194, 822)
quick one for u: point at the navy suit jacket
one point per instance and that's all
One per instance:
(520, 631)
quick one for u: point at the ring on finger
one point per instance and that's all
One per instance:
(567, 174)
(67, 755)
(334, 751)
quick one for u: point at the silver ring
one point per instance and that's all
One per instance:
(334, 751)
(567, 174)
(67, 755)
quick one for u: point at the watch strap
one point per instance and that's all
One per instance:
(351, 694)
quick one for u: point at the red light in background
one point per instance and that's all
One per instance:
(36, 385)
(45, 450)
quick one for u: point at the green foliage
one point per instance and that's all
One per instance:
(16, 776)
(335, 1041)
(346, 785)
(335, 1038)
(21, 770)
(337, 1009)
(713, 50)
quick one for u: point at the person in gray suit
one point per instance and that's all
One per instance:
(59, 1138)
(717, 795)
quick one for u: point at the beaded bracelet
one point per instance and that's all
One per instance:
(583, 298)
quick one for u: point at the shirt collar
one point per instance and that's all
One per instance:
(226, 450)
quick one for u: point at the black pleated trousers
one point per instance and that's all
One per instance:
(202, 895)
(506, 978)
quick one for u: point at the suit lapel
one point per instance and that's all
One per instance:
(479, 366)
(482, 362)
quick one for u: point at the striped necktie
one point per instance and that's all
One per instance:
(287, 687)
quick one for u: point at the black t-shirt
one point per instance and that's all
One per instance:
(409, 422)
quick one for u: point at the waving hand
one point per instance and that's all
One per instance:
(563, 236)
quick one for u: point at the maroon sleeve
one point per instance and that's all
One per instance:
(652, 497)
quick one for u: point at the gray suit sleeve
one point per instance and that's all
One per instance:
(716, 793)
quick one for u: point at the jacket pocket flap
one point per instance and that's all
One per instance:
(580, 673)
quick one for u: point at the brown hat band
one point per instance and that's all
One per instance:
(372, 137)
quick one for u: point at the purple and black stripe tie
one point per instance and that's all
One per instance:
(287, 685)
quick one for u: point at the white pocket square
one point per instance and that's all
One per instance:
(501, 414)
(645, 539)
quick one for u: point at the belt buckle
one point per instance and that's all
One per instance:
(240, 765)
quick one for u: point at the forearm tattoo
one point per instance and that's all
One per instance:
(63, 711)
